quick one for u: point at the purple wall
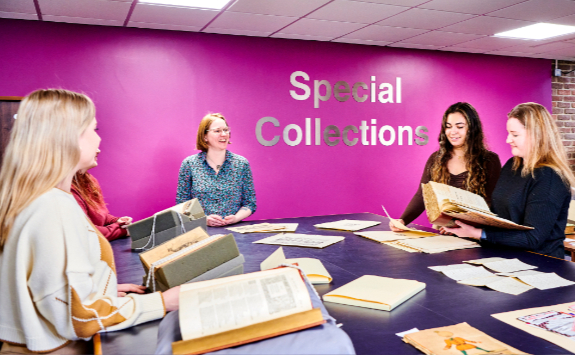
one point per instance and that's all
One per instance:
(152, 87)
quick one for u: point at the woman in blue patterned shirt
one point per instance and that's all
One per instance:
(219, 179)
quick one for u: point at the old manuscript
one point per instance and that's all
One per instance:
(444, 204)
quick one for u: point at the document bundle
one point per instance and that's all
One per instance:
(190, 257)
(232, 311)
(167, 224)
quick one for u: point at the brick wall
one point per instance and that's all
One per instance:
(564, 107)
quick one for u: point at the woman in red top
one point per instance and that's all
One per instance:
(88, 193)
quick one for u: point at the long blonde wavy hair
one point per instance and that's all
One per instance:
(545, 146)
(43, 149)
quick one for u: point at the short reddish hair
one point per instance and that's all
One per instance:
(205, 124)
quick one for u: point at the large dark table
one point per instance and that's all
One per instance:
(443, 302)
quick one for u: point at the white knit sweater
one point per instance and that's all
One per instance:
(58, 279)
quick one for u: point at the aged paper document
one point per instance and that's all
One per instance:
(347, 225)
(312, 268)
(512, 318)
(545, 281)
(389, 236)
(438, 244)
(301, 240)
(467, 273)
(442, 268)
(459, 339)
(265, 228)
(484, 260)
(509, 285)
(509, 265)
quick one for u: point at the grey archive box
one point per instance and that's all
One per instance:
(169, 224)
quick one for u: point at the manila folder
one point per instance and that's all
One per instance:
(376, 292)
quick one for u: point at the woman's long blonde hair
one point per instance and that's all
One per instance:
(545, 147)
(43, 149)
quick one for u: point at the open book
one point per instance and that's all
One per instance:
(444, 204)
(231, 311)
(375, 292)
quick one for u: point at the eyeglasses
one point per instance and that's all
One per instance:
(220, 130)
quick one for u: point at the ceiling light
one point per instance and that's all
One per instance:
(204, 4)
(538, 31)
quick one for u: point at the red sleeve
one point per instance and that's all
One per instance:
(112, 231)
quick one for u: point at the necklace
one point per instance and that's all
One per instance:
(217, 166)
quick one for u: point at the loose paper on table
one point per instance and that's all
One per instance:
(347, 225)
(301, 240)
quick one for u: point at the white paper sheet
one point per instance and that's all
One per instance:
(509, 265)
(301, 240)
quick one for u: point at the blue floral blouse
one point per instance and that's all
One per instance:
(222, 194)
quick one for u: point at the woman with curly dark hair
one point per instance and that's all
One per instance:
(461, 161)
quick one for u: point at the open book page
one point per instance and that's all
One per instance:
(375, 290)
(509, 265)
(216, 306)
(301, 240)
(484, 260)
(312, 268)
(347, 225)
(467, 273)
(509, 285)
(545, 281)
(388, 236)
(480, 281)
(514, 319)
(173, 245)
(445, 193)
(451, 340)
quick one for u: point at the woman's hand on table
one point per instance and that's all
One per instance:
(124, 220)
(465, 231)
(231, 219)
(172, 299)
(125, 288)
(215, 221)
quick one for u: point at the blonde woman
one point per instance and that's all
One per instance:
(57, 272)
(534, 186)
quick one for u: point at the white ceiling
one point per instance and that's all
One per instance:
(447, 25)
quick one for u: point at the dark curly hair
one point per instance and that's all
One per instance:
(476, 154)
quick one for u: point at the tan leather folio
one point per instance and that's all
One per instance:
(251, 333)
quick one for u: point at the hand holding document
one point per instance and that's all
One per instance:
(347, 225)
(236, 310)
(444, 203)
(312, 268)
(407, 230)
(375, 292)
(301, 240)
